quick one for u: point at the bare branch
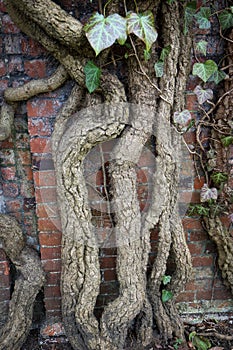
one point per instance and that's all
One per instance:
(36, 87)
(56, 22)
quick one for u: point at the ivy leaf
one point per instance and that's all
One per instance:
(159, 69)
(205, 70)
(142, 25)
(227, 141)
(102, 31)
(182, 118)
(203, 95)
(219, 178)
(200, 342)
(166, 295)
(226, 19)
(92, 75)
(203, 18)
(166, 279)
(189, 13)
(218, 76)
(208, 193)
(201, 47)
(147, 55)
(164, 53)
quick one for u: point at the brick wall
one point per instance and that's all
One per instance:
(29, 187)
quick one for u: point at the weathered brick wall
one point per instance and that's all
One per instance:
(29, 187)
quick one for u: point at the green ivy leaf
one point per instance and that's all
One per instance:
(92, 75)
(159, 66)
(182, 118)
(218, 76)
(102, 31)
(226, 19)
(227, 141)
(166, 279)
(203, 95)
(166, 295)
(142, 25)
(200, 342)
(189, 13)
(203, 18)
(201, 47)
(147, 55)
(219, 178)
(164, 53)
(205, 70)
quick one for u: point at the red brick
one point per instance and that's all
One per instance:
(52, 265)
(47, 210)
(4, 268)
(4, 294)
(185, 297)
(43, 108)
(195, 248)
(52, 291)
(108, 288)
(109, 275)
(47, 224)
(46, 195)
(35, 68)
(40, 145)
(108, 252)
(10, 190)
(31, 47)
(8, 25)
(50, 239)
(3, 70)
(52, 303)
(45, 178)
(49, 253)
(4, 281)
(222, 294)
(53, 278)
(198, 236)
(39, 127)
(13, 205)
(190, 137)
(15, 65)
(8, 173)
(109, 262)
(204, 295)
(202, 261)
(189, 197)
(193, 224)
(191, 102)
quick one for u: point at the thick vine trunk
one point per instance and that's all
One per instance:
(223, 120)
(27, 285)
(149, 112)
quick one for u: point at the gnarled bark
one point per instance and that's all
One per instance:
(75, 134)
(28, 284)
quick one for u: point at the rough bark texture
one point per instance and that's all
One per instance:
(149, 112)
(27, 285)
(223, 120)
